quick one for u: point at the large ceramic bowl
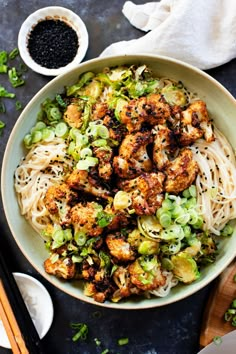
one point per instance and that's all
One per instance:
(222, 107)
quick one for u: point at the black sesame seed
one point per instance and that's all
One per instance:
(53, 43)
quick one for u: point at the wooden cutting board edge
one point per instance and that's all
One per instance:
(222, 294)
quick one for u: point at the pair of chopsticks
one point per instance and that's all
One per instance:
(20, 329)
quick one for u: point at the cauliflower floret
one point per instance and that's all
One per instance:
(73, 115)
(146, 274)
(62, 268)
(58, 200)
(133, 158)
(121, 278)
(83, 181)
(181, 172)
(164, 146)
(84, 218)
(195, 123)
(119, 247)
(104, 155)
(145, 192)
(152, 109)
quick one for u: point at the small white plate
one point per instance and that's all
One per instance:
(226, 345)
(59, 13)
(38, 302)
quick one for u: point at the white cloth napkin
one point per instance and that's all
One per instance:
(199, 32)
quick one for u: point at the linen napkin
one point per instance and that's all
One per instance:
(201, 33)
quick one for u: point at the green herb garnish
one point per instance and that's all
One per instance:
(15, 77)
(5, 93)
(13, 54)
(81, 331)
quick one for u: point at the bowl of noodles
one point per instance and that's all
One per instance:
(124, 189)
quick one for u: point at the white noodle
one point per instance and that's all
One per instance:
(216, 182)
(44, 165)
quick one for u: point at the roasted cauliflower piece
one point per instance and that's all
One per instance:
(152, 110)
(120, 218)
(62, 268)
(84, 218)
(99, 111)
(181, 172)
(164, 146)
(145, 191)
(83, 181)
(116, 130)
(104, 155)
(121, 278)
(145, 273)
(133, 158)
(73, 115)
(119, 247)
(195, 123)
(58, 200)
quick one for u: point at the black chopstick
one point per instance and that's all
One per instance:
(21, 313)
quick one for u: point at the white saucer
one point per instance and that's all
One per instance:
(38, 302)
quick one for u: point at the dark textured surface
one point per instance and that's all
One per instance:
(173, 329)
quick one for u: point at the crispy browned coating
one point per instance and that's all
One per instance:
(195, 123)
(99, 111)
(104, 155)
(73, 115)
(83, 181)
(146, 192)
(58, 200)
(84, 218)
(62, 268)
(133, 158)
(152, 109)
(164, 145)
(119, 248)
(120, 218)
(121, 278)
(181, 172)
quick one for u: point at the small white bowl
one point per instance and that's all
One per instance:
(39, 305)
(49, 13)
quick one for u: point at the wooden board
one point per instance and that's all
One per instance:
(219, 301)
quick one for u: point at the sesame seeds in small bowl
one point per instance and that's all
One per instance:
(52, 40)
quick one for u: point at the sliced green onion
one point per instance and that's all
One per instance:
(85, 152)
(14, 77)
(165, 219)
(28, 140)
(18, 105)
(103, 132)
(80, 238)
(86, 163)
(99, 143)
(167, 204)
(123, 341)
(36, 136)
(217, 340)
(13, 54)
(2, 125)
(82, 331)
(61, 130)
(55, 113)
(5, 93)
(76, 259)
(38, 126)
(47, 134)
